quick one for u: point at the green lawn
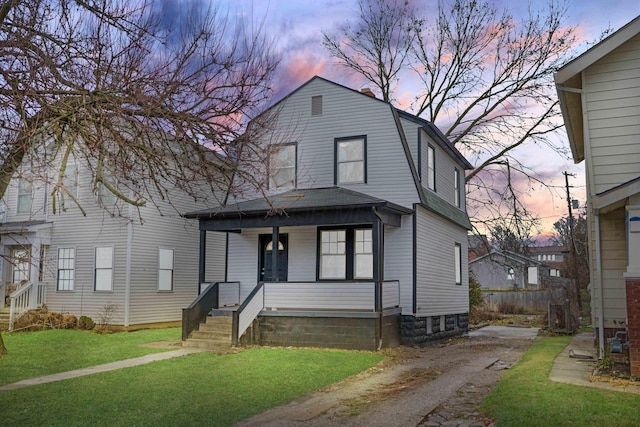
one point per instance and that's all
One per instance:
(526, 397)
(34, 354)
(198, 389)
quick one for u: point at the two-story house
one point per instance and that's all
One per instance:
(599, 93)
(358, 238)
(125, 265)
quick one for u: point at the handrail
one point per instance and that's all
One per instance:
(198, 309)
(20, 302)
(250, 315)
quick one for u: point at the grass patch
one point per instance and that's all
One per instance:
(199, 389)
(34, 354)
(526, 397)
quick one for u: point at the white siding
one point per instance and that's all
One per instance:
(437, 292)
(612, 92)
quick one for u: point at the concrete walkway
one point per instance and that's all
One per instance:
(127, 363)
(577, 370)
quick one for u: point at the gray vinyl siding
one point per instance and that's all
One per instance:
(243, 256)
(99, 229)
(612, 92)
(436, 290)
(445, 167)
(398, 260)
(345, 113)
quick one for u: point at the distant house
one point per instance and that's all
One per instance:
(478, 246)
(105, 264)
(553, 257)
(599, 94)
(361, 240)
(507, 270)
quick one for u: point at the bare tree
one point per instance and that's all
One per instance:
(377, 46)
(150, 100)
(485, 80)
(144, 96)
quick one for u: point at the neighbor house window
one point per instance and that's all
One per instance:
(316, 105)
(70, 180)
(105, 196)
(456, 188)
(510, 273)
(345, 254)
(351, 163)
(24, 196)
(165, 269)
(66, 268)
(21, 265)
(103, 275)
(282, 166)
(431, 168)
(457, 256)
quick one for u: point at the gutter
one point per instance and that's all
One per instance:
(600, 290)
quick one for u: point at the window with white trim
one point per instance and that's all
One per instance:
(431, 168)
(66, 269)
(351, 162)
(105, 196)
(456, 188)
(25, 196)
(345, 254)
(457, 257)
(103, 274)
(282, 166)
(165, 269)
(510, 273)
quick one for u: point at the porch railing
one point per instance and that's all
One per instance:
(213, 296)
(25, 298)
(247, 312)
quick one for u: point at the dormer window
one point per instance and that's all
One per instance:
(351, 160)
(431, 168)
(282, 166)
(456, 188)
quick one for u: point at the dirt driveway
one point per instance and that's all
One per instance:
(442, 384)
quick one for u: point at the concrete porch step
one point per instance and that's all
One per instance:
(214, 335)
(206, 344)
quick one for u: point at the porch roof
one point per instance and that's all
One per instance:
(22, 227)
(332, 205)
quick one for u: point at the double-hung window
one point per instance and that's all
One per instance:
(103, 274)
(431, 168)
(457, 256)
(66, 268)
(351, 160)
(165, 269)
(106, 196)
(456, 188)
(345, 254)
(24, 196)
(282, 166)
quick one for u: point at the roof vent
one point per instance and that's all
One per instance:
(368, 92)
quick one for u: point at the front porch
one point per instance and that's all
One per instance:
(303, 314)
(317, 258)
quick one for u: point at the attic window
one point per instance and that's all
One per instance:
(316, 105)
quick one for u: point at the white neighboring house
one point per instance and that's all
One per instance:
(367, 206)
(599, 93)
(133, 272)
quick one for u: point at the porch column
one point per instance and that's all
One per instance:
(202, 258)
(275, 242)
(34, 276)
(378, 261)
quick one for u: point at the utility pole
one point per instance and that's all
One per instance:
(573, 252)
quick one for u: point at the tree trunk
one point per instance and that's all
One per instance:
(3, 349)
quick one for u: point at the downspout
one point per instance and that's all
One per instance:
(127, 282)
(600, 290)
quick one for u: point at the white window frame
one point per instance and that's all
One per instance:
(511, 273)
(166, 263)
(457, 261)
(431, 167)
(66, 264)
(105, 196)
(456, 188)
(25, 196)
(103, 269)
(341, 162)
(277, 165)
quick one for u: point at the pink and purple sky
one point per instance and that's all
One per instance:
(298, 25)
